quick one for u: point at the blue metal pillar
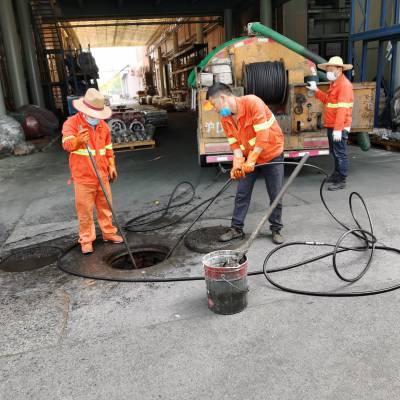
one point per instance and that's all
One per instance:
(365, 43)
(351, 43)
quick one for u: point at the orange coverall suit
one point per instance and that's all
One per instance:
(256, 126)
(338, 116)
(88, 193)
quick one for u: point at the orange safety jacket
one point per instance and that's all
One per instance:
(256, 126)
(338, 103)
(99, 145)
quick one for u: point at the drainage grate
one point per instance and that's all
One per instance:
(145, 257)
(29, 259)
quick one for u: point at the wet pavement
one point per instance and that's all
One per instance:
(66, 337)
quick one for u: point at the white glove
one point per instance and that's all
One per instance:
(337, 136)
(312, 85)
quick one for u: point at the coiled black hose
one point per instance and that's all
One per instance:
(366, 235)
(267, 80)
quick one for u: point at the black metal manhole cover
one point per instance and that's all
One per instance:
(29, 259)
(205, 240)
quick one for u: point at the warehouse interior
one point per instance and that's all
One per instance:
(118, 326)
(57, 65)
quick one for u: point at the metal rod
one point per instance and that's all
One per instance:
(365, 43)
(141, 23)
(110, 206)
(383, 14)
(351, 43)
(378, 82)
(245, 247)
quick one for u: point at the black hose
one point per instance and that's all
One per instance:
(267, 80)
(367, 236)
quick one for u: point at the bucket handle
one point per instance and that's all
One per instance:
(234, 286)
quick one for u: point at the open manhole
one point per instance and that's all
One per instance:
(145, 257)
(29, 259)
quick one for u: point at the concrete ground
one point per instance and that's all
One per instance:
(64, 337)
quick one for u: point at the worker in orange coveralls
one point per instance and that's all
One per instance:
(88, 126)
(255, 138)
(338, 111)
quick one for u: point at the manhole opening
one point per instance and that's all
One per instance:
(29, 259)
(144, 258)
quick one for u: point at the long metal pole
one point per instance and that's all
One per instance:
(245, 247)
(29, 51)
(110, 206)
(13, 53)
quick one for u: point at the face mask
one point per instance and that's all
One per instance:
(331, 76)
(225, 112)
(92, 121)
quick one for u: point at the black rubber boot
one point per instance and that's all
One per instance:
(334, 177)
(340, 184)
(231, 234)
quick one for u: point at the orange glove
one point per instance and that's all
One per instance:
(236, 171)
(112, 170)
(81, 138)
(250, 164)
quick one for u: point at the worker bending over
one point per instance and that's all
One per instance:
(337, 114)
(88, 126)
(255, 138)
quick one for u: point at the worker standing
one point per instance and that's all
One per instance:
(255, 138)
(88, 127)
(338, 114)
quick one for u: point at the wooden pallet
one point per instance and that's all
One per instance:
(389, 145)
(137, 145)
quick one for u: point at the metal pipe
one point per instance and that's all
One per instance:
(228, 24)
(29, 52)
(201, 21)
(266, 12)
(13, 54)
(199, 32)
(378, 82)
(351, 43)
(110, 206)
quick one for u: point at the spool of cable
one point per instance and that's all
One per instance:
(267, 80)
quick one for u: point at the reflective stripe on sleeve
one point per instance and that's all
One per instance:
(340, 105)
(109, 147)
(252, 142)
(231, 140)
(84, 152)
(64, 139)
(264, 125)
